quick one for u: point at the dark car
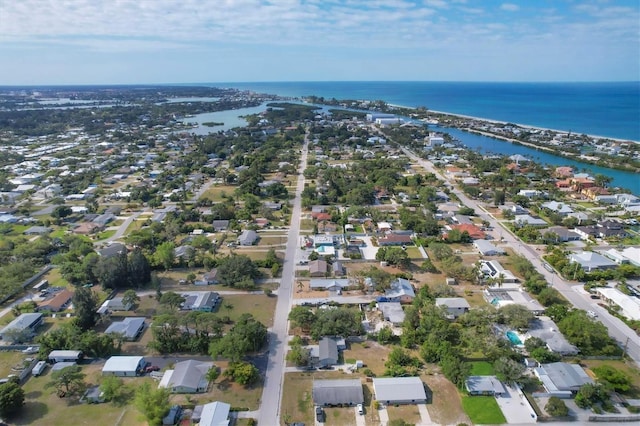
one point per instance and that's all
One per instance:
(150, 368)
(320, 414)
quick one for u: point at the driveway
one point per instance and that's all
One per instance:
(360, 421)
(425, 418)
(384, 416)
(515, 407)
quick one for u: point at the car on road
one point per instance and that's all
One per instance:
(360, 408)
(150, 368)
(320, 414)
(30, 350)
(592, 314)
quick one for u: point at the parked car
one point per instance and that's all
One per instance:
(320, 414)
(360, 408)
(30, 350)
(150, 368)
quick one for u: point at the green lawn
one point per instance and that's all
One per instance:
(482, 368)
(483, 410)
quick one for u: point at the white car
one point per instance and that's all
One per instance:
(30, 350)
(360, 408)
(592, 314)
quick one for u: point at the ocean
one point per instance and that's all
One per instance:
(602, 109)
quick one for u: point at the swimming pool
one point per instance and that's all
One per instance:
(513, 338)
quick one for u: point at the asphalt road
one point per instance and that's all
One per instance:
(618, 330)
(269, 412)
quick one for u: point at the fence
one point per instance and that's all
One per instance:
(620, 419)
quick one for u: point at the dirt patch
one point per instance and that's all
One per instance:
(446, 405)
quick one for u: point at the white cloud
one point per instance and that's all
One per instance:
(509, 7)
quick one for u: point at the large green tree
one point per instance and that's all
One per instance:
(85, 303)
(138, 268)
(11, 399)
(68, 382)
(152, 402)
(236, 270)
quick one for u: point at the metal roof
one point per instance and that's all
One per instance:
(333, 392)
(122, 363)
(399, 389)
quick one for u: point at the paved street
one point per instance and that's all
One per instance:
(272, 392)
(617, 329)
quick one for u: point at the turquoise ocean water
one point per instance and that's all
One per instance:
(604, 109)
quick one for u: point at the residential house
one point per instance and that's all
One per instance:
(220, 225)
(506, 295)
(392, 312)
(21, 329)
(454, 306)
(248, 237)
(562, 209)
(86, 228)
(527, 219)
(400, 290)
(184, 252)
(591, 261)
(547, 330)
(123, 366)
(328, 351)
(115, 304)
(209, 278)
(610, 228)
(337, 392)
(628, 306)
(212, 414)
(494, 270)
(395, 239)
(203, 301)
(330, 284)
(37, 230)
(399, 390)
(58, 302)
(187, 377)
(627, 255)
(563, 234)
(318, 268)
(113, 249)
(487, 249)
(562, 379)
(130, 328)
(474, 231)
(484, 385)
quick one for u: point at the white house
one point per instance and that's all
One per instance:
(123, 366)
(187, 377)
(455, 306)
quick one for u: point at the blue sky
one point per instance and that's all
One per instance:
(184, 41)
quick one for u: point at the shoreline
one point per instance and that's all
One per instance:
(523, 126)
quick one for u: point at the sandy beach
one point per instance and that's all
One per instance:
(523, 126)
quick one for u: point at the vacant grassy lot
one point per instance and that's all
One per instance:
(43, 407)
(9, 359)
(372, 354)
(445, 406)
(483, 410)
(260, 306)
(481, 368)
(215, 193)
